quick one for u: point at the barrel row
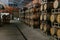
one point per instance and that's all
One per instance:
(36, 17)
(51, 17)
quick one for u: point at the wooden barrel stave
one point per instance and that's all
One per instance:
(35, 16)
(46, 28)
(41, 8)
(31, 22)
(52, 18)
(41, 17)
(45, 6)
(36, 23)
(46, 16)
(53, 31)
(41, 26)
(58, 18)
(58, 33)
(55, 18)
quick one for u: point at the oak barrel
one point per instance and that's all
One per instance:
(58, 33)
(41, 17)
(58, 18)
(45, 6)
(46, 16)
(41, 26)
(46, 27)
(56, 4)
(53, 31)
(52, 18)
(41, 8)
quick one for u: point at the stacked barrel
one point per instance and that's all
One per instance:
(22, 14)
(41, 17)
(34, 16)
(31, 16)
(50, 17)
(27, 16)
(54, 18)
(45, 16)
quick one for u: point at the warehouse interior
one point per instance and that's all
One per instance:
(29, 19)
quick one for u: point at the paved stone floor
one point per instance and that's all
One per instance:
(10, 32)
(33, 34)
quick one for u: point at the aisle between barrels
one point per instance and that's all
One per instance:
(10, 32)
(30, 33)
